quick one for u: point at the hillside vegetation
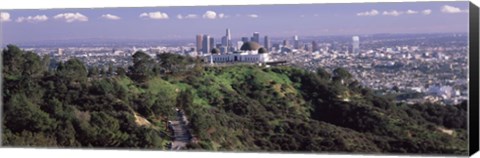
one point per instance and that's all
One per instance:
(234, 108)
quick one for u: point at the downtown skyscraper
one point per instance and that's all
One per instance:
(315, 46)
(355, 44)
(285, 43)
(199, 43)
(206, 44)
(267, 43)
(296, 43)
(229, 39)
(244, 39)
(212, 44)
(256, 37)
(226, 42)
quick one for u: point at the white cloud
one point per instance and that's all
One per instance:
(191, 16)
(32, 19)
(154, 15)
(110, 17)
(392, 13)
(221, 15)
(411, 12)
(71, 17)
(4, 16)
(372, 12)
(209, 15)
(452, 9)
(179, 16)
(253, 15)
(212, 15)
(427, 12)
(188, 16)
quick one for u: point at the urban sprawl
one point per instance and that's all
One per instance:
(416, 67)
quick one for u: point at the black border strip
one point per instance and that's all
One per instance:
(474, 75)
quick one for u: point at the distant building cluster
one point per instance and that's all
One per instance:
(431, 67)
(205, 44)
(246, 51)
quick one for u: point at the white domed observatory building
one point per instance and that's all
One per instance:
(250, 52)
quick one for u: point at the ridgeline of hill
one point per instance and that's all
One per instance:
(234, 108)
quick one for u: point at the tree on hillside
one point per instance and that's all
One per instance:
(110, 70)
(185, 98)
(12, 61)
(142, 67)
(342, 75)
(33, 66)
(323, 73)
(46, 61)
(120, 71)
(198, 68)
(73, 70)
(93, 71)
(20, 114)
(171, 63)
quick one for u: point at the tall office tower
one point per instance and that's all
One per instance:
(285, 43)
(244, 39)
(224, 41)
(60, 51)
(296, 44)
(229, 38)
(335, 46)
(267, 43)
(212, 44)
(206, 44)
(199, 43)
(315, 46)
(307, 47)
(256, 37)
(355, 44)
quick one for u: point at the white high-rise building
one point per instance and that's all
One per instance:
(60, 51)
(229, 38)
(355, 44)
(296, 44)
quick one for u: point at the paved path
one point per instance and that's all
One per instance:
(180, 132)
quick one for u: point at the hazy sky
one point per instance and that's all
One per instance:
(272, 20)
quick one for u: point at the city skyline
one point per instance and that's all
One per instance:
(272, 20)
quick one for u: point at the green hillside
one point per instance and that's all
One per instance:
(231, 108)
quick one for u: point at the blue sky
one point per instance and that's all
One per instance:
(272, 20)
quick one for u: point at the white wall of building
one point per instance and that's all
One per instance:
(238, 57)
